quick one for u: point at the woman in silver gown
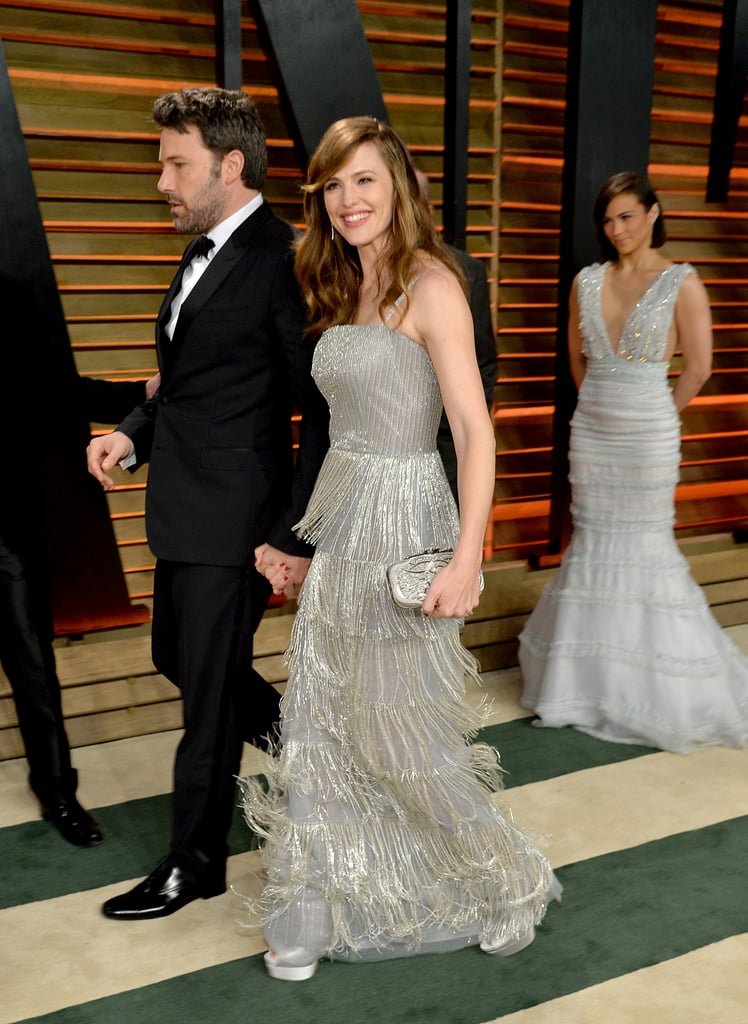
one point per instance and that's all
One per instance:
(622, 644)
(381, 833)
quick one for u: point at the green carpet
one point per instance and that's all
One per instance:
(529, 754)
(621, 912)
(137, 837)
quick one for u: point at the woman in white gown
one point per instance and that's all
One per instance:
(622, 644)
(382, 837)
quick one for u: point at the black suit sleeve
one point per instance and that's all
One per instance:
(296, 350)
(108, 401)
(139, 426)
(480, 307)
(485, 351)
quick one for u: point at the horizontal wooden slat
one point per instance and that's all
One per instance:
(126, 12)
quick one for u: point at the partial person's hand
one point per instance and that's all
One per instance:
(285, 573)
(152, 385)
(104, 453)
(454, 593)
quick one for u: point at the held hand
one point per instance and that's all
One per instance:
(285, 573)
(103, 454)
(454, 593)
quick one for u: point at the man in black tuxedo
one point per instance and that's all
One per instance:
(234, 362)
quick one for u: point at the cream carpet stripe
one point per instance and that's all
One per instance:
(706, 986)
(502, 690)
(63, 951)
(589, 813)
(109, 773)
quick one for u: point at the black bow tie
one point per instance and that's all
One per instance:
(202, 246)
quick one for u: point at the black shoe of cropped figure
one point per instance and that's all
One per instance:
(73, 823)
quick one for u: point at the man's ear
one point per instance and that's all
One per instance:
(232, 166)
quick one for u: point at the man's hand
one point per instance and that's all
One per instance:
(104, 453)
(285, 573)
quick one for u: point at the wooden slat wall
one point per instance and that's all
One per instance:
(84, 73)
(407, 42)
(713, 237)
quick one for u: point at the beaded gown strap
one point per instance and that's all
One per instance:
(401, 297)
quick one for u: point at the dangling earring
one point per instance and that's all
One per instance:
(332, 233)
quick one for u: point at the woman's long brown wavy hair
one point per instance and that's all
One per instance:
(328, 268)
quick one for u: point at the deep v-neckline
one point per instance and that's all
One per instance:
(615, 348)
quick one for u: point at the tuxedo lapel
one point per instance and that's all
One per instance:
(164, 313)
(216, 272)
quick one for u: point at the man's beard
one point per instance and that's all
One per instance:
(205, 209)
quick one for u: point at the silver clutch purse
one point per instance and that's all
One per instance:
(411, 578)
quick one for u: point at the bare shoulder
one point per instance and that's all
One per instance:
(692, 288)
(435, 282)
(574, 290)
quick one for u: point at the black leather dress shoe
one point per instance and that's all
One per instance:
(167, 889)
(73, 823)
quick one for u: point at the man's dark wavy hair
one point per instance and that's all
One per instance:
(226, 119)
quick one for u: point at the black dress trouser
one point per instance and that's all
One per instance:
(204, 619)
(27, 657)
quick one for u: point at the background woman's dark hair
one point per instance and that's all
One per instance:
(626, 183)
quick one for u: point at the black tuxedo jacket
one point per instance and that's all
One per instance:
(218, 433)
(485, 351)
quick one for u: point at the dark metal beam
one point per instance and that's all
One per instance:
(50, 491)
(228, 44)
(729, 95)
(456, 120)
(323, 62)
(607, 129)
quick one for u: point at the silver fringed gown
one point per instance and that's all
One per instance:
(381, 833)
(622, 644)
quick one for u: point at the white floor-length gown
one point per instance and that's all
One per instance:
(382, 835)
(622, 644)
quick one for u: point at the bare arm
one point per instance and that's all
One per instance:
(440, 317)
(693, 322)
(577, 360)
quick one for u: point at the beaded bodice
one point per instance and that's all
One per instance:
(645, 334)
(382, 390)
